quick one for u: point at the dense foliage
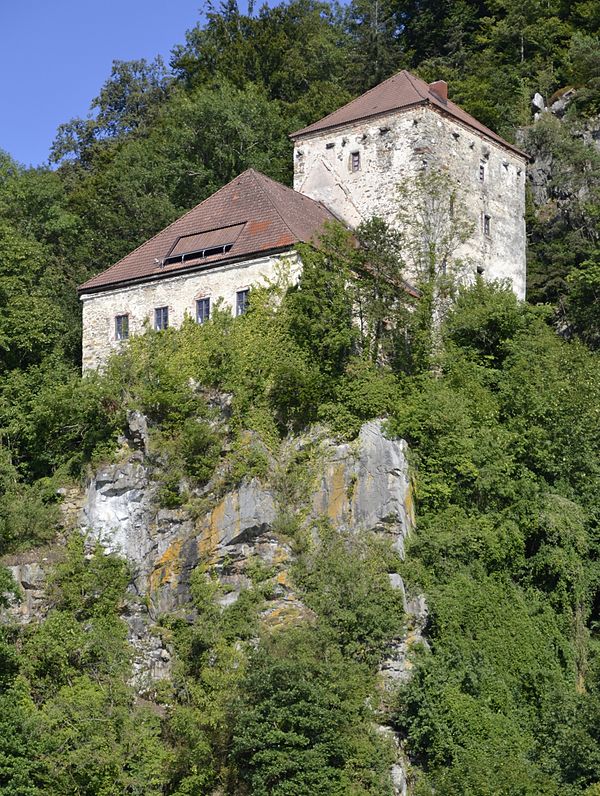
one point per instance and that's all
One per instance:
(500, 406)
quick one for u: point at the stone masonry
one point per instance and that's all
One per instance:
(178, 293)
(393, 148)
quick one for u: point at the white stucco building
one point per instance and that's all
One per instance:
(242, 235)
(347, 166)
(354, 160)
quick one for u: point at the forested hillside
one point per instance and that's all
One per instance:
(500, 408)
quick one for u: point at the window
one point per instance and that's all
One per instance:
(199, 245)
(481, 172)
(241, 301)
(354, 161)
(487, 221)
(161, 318)
(202, 310)
(122, 327)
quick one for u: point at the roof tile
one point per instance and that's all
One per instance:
(399, 92)
(271, 216)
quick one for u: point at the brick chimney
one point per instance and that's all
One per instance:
(440, 89)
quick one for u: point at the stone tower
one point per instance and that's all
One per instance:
(354, 160)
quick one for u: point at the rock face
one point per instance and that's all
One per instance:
(366, 485)
(359, 486)
(31, 580)
(118, 508)
(363, 486)
(555, 184)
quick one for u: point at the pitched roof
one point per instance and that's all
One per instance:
(399, 92)
(250, 215)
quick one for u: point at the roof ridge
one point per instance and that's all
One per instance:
(263, 188)
(356, 99)
(302, 198)
(411, 78)
(165, 229)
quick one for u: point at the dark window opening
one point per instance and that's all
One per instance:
(161, 318)
(481, 172)
(202, 310)
(199, 245)
(480, 270)
(197, 255)
(122, 327)
(487, 222)
(241, 301)
(354, 161)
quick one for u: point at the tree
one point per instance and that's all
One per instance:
(381, 295)
(583, 301)
(434, 225)
(127, 103)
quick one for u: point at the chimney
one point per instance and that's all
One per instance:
(440, 89)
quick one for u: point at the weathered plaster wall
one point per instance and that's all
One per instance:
(178, 293)
(393, 149)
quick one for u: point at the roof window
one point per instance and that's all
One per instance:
(199, 245)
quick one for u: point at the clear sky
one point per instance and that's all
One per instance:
(56, 54)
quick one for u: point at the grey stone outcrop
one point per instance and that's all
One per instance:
(363, 486)
(119, 510)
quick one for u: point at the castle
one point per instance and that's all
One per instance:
(347, 166)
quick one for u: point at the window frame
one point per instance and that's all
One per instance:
(241, 308)
(355, 159)
(487, 225)
(120, 333)
(205, 301)
(482, 174)
(158, 324)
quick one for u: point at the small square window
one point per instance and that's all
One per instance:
(487, 224)
(202, 310)
(122, 327)
(241, 301)
(355, 161)
(161, 318)
(481, 172)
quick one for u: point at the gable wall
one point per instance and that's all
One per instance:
(178, 293)
(394, 148)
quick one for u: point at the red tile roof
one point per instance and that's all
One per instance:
(257, 213)
(399, 92)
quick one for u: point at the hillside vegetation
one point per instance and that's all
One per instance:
(500, 407)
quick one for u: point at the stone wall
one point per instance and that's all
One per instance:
(178, 293)
(394, 148)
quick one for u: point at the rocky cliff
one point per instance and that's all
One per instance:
(359, 487)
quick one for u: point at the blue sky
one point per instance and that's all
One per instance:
(56, 54)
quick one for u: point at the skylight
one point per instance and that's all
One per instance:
(199, 245)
